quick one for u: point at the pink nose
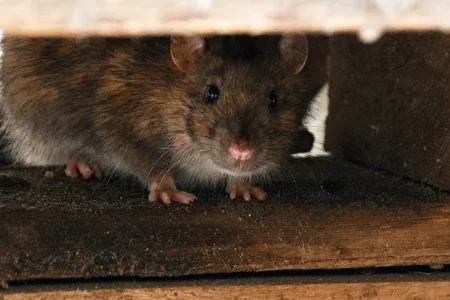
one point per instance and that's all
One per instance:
(240, 152)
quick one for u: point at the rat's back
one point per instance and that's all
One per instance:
(50, 91)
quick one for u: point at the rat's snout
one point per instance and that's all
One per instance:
(240, 151)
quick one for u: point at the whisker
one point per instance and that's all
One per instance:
(156, 161)
(279, 181)
(165, 174)
(295, 181)
(314, 173)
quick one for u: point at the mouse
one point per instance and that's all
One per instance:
(164, 109)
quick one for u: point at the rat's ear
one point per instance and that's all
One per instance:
(184, 50)
(294, 51)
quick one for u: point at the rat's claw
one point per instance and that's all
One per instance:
(247, 192)
(184, 197)
(165, 198)
(247, 195)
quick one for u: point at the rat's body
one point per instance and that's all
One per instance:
(214, 110)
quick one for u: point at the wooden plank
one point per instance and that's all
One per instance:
(399, 287)
(55, 17)
(335, 216)
(397, 118)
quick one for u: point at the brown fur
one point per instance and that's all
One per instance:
(124, 104)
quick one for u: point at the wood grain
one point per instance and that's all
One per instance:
(290, 288)
(118, 17)
(334, 216)
(401, 105)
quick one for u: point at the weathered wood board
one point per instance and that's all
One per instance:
(334, 216)
(390, 104)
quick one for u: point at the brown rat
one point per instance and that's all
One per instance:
(190, 108)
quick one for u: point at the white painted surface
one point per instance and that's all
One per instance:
(316, 124)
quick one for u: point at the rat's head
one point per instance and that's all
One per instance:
(243, 99)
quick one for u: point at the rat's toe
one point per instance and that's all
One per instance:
(184, 197)
(85, 171)
(153, 196)
(247, 192)
(233, 194)
(165, 198)
(246, 195)
(171, 196)
(74, 171)
(258, 193)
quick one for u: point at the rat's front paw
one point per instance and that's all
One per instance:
(164, 189)
(238, 189)
(247, 192)
(169, 196)
(76, 170)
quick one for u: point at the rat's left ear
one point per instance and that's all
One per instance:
(184, 50)
(294, 51)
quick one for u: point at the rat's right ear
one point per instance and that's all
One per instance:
(184, 50)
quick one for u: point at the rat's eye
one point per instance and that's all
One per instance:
(273, 101)
(212, 93)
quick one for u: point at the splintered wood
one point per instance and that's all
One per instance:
(118, 17)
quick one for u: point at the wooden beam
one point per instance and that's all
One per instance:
(118, 17)
(334, 216)
(399, 287)
(401, 106)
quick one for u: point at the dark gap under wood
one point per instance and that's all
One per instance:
(388, 172)
(436, 272)
(382, 287)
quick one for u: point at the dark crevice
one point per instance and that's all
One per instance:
(342, 275)
(393, 174)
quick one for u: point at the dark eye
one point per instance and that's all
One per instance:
(273, 101)
(212, 93)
